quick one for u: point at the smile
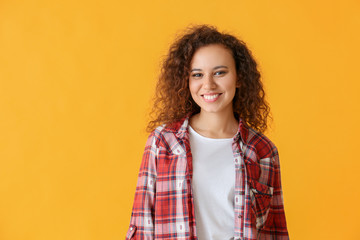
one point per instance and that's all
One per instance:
(210, 97)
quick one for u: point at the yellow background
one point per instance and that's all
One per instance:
(76, 78)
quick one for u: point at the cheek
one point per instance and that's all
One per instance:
(230, 86)
(193, 87)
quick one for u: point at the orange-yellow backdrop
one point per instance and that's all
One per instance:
(76, 78)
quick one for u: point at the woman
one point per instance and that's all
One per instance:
(208, 172)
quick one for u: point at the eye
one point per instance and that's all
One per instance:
(196, 75)
(220, 73)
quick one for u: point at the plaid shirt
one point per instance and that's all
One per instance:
(164, 205)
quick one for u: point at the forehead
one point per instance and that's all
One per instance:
(211, 55)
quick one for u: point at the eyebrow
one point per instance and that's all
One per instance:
(198, 69)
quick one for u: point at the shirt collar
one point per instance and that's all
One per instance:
(180, 128)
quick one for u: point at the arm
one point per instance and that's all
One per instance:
(142, 216)
(276, 229)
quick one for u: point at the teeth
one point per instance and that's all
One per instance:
(210, 97)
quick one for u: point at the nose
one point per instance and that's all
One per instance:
(209, 82)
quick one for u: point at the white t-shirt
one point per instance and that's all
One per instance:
(213, 186)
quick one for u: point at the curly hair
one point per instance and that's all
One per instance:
(172, 100)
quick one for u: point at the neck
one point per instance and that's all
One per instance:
(215, 125)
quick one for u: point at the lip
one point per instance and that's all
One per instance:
(209, 94)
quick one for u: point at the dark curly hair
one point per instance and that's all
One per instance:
(172, 100)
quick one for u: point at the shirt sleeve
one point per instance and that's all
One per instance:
(277, 227)
(142, 216)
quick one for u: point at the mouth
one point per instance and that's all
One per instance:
(211, 97)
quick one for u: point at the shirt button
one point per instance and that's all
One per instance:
(239, 216)
(131, 228)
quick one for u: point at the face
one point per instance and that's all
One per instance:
(212, 80)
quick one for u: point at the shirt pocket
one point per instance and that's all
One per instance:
(260, 195)
(130, 233)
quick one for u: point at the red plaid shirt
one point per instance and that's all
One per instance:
(164, 205)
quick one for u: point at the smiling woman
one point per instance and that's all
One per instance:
(208, 171)
(213, 80)
(173, 100)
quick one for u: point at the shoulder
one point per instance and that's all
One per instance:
(261, 143)
(155, 136)
(163, 136)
